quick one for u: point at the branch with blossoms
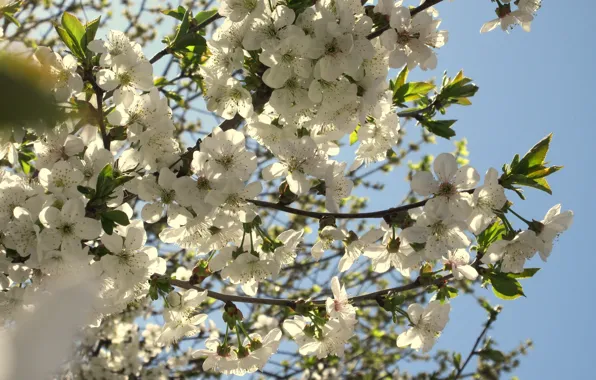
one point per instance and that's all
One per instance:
(101, 204)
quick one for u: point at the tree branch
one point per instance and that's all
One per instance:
(491, 319)
(341, 215)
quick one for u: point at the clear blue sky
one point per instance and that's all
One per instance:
(531, 84)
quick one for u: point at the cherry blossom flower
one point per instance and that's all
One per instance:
(427, 324)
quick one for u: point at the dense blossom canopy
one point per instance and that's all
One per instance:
(251, 236)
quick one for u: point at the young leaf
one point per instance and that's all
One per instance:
(505, 287)
(491, 234)
(354, 135)
(76, 30)
(201, 17)
(527, 273)
(441, 128)
(117, 216)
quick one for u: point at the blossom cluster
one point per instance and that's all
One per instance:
(86, 204)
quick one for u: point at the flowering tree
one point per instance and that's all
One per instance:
(133, 257)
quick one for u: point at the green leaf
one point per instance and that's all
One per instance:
(178, 42)
(538, 183)
(201, 17)
(411, 91)
(70, 43)
(401, 78)
(104, 179)
(505, 287)
(107, 225)
(543, 172)
(494, 355)
(535, 156)
(77, 32)
(354, 135)
(441, 128)
(178, 13)
(117, 216)
(527, 273)
(90, 32)
(491, 234)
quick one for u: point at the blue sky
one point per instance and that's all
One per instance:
(531, 84)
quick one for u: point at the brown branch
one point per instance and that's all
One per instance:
(341, 215)
(320, 303)
(413, 12)
(491, 319)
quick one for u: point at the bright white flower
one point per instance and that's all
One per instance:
(439, 235)
(396, 252)
(67, 227)
(337, 186)
(231, 197)
(355, 247)
(555, 222)
(23, 232)
(54, 145)
(411, 39)
(459, 260)
(62, 179)
(298, 158)
(261, 350)
(225, 153)
(62, 70)
(181, 315)
(506, 19)
(126, 77)
(486, 199)
(514, 253)
(331, 339)
(448, 198)
(118, 45)
(224, 59)
(325, 240)
(237, 10)
(286, 254)
(218, 358)
(249, 270)
(339, 306)
(225, 96)
(269, 28)
(192, 234)
(427, 325)
(160, 191)
(131, 261)
(289, 57)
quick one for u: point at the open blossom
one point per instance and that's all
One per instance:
(427, 324)
(486, 199)
(224, 153)
(218, 357)
(298, 158)
(325, 240)
(181, 315)
(117, 45)
(226, 96)
(248, 270)
(63, 70)
(355, 247)
(331, 341)
(339, 306)
(513, 253)
(439, 235)
(258, 351)
(395, 252)
(447, 189)
(506, 18)
(66, 228)
(459, 261)
(554, 223)
(411, 39)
